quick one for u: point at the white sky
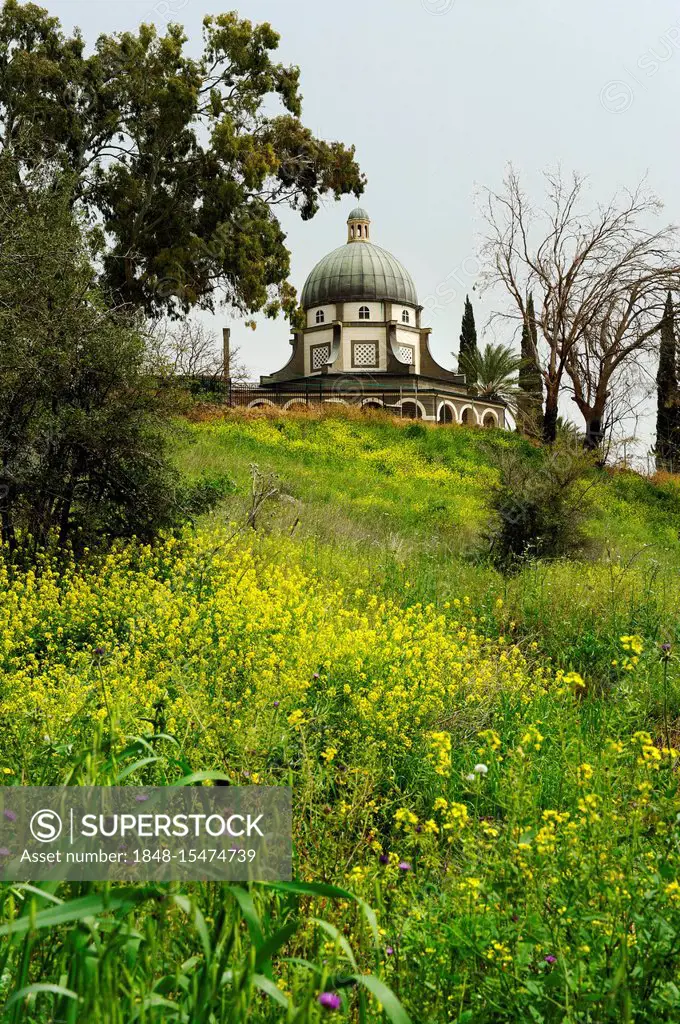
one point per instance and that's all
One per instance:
(438, 96)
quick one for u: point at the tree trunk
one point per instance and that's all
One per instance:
(593, 416)
(594, 432)
(550, 415)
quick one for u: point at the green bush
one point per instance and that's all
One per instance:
(540, 506)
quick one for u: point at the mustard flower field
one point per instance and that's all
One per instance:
(484, 768)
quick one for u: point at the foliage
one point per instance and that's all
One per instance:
(494, 371)
(489, 761)
(514, 831)
(540, 506)
(668, 394)
(468, 350)
(83, 449)
(215, 946)
(530, 383)
(365, 479)
(182, 160)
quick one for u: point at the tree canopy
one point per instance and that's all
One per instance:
(84, 452)
(179, 160)
(468, 350)
(494, 371)
(530, 395)
(668, 394)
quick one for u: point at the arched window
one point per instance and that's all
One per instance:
(364, 313)
(411, 411)
(406, 317)
(320, 316)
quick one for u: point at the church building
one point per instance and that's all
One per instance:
(363, 342)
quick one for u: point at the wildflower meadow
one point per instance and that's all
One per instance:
(484, 768)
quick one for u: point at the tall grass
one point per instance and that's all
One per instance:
(405, 506)
(489, 762)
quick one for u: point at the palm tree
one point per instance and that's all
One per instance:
(495, 371)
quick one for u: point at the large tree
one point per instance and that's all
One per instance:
(183, 161)
(83, 448)
(468, 342)
(668, 394)
(598, 275)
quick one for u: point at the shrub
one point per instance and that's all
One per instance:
(203, 495)
(540, 505)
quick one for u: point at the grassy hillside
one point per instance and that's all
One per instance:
(406, 507)
(490, 762)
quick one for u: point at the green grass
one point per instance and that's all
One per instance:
(413, 502)
(487, 761)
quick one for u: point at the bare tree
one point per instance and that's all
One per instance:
(597, 278)
(604, 366)
(629, 393)
(188, 348)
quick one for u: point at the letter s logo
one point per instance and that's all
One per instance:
(46, 826)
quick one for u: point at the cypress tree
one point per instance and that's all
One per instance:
(668, 399)
(468, 340)
(530, 401)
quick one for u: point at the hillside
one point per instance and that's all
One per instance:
(408, 505)
(488, 762)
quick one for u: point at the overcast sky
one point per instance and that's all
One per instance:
(438, 96)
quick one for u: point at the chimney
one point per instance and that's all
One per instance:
(226, 365)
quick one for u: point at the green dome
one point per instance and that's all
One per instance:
(358, 213)
(358, 270)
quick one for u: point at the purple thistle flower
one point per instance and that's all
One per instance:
(99, 651)
(329, 1000)
(389, 951)
(405, 866)
(10, 815)
(384, 858)
(276, 703)
(550, 959)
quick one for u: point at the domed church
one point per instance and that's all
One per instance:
(363, 342)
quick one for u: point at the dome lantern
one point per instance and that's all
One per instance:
(358, 225)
